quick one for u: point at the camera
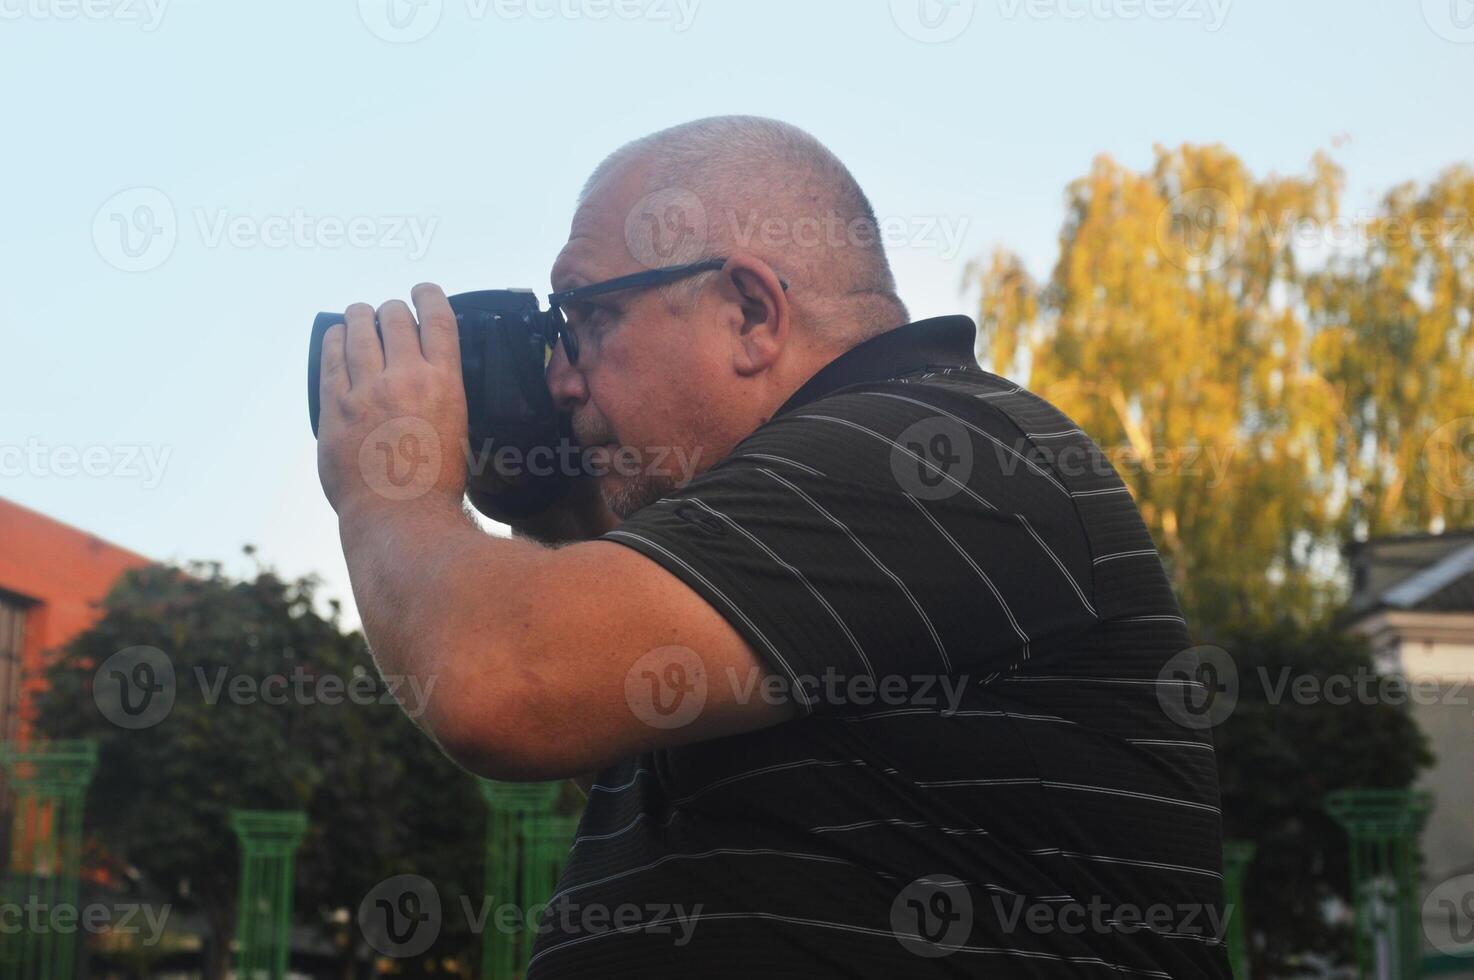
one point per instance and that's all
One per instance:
(505, 341)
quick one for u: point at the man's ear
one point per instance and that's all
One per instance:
(760, 321)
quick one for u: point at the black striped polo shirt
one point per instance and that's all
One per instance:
(991, 773)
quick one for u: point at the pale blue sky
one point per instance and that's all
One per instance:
(234, 117)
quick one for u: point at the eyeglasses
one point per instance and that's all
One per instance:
(648, 279)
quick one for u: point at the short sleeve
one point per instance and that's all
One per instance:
(877, 540)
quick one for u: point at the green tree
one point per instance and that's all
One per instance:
(381, 797)
(1285, 746)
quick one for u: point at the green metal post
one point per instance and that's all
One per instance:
(1237, 856)
(520, 840)
(269, 839)
(1383, 827)
(49, 781)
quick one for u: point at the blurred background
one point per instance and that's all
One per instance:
(1234, 239)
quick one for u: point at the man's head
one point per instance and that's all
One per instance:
(686, 371)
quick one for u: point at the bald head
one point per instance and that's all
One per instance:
(728, 182)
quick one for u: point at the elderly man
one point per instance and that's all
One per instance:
(886, 689)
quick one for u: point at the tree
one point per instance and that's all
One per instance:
(1395, 338)
(1287, 744)
(261, 719)
(1200, 313)
(1196, 308)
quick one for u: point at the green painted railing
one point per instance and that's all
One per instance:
(1383, 827)
(49, 782)
(1237, 856)
(526, 845)
(263, 931)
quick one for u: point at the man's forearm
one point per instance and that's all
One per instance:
(430, 585)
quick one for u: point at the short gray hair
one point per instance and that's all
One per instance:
(752, 175)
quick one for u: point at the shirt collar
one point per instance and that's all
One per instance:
(941, 341)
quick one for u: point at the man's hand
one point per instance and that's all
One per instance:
(393, 422)
(529, 650)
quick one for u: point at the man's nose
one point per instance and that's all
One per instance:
(565, 382)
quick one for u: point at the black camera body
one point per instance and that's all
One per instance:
(505, 339)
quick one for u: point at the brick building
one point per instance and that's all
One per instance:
(52, 576)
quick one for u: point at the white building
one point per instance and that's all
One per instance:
(1414, 598)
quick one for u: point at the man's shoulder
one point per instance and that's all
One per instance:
(960, 419)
